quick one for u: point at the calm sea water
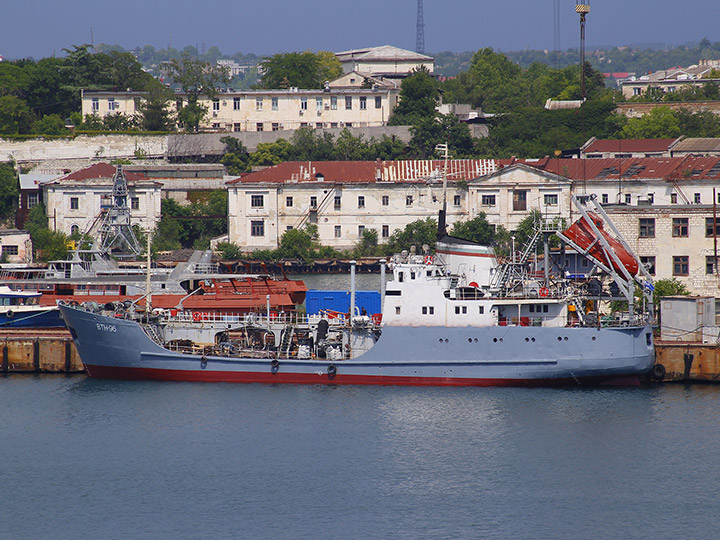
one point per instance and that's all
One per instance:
(115, 460)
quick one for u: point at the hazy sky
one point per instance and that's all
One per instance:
(39, 28)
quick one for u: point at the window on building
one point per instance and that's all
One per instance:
(456, 200)
(288, 201)
(378, 102)
(237, 126)
(637, 91)
(216, 105)
(236, 104)
(673, 198)
(303, 124)
(333, 103)
(628, 198)
(385, 200)
(95, 105)
(338, 202)
(710, 264)
(134, 203)
(274, 104)
(711, 231)
(257, 201)
(319, 103)
(348, 103)
(551, 199)
(33, 199)
(258, 104)
(651, 198)
(361, 201)
(216, 125)
(487, 200)
(259, 126)
(520, 200)
(74, 230)
(10, 250)
(681, 265)
(303, 104)
(257, 228)
(697, 198)
(649, 264)
(112, 104)
(348, 124)
(680, 227)
(408, 200)
(363, 103)
(288, 227)
(385, 231)
(74, 203)
(361, 230)
(333, 124)
(338, 231)
(605, 198)
(318, 125)
(313, 202)
(275, 126)
(647, 227)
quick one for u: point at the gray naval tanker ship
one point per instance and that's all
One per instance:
(458, 318)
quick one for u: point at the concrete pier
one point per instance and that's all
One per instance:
(38, 350)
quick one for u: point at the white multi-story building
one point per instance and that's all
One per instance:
(384, 61)
(344, 198)
(76, 200)
(267, 110)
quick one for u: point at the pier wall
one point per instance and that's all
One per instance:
(37, 351)
(689, 362)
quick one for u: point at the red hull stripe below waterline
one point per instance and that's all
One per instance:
(106, 372)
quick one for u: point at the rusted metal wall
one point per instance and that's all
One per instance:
(689, 362)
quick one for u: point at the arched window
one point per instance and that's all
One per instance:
(74, 230)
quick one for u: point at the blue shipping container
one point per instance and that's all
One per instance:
(317, 299)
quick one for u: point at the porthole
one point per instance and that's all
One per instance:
(494, 340)
(501, 339)
(565, 338)
(446, 340)
(527, 339)
(594, 338)
(532, 339)
(441, 340)
(475, 340)
(559, 338)
(469, 340)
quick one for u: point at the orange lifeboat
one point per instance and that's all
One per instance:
(582, 234)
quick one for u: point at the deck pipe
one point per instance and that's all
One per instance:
(352, 289)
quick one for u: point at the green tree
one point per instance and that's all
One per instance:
(196, 78)
(329, 67)
(311, 146)
(50, 125)
(659, 123)
(8, 190)
(477, 230)
(428, 132)
(419, 96)
(268, 154)
(418, 233)
(296, 244)
(48, 245)
(15, 116)
(367, 246)
(668, 287)
(229, 251)
(299, 69)
(236, 157)
(155, 113)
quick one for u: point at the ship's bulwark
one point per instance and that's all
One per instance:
(422, 356)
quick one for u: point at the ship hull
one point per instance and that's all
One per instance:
(36, 318)
(415, 356)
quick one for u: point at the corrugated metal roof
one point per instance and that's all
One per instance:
(99, 170)
(630, 145)
(697, 145)
(678, 168)
(370, 171)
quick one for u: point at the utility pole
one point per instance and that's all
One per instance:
(583, 9)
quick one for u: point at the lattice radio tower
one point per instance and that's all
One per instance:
(420, 29)
(115, 229)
